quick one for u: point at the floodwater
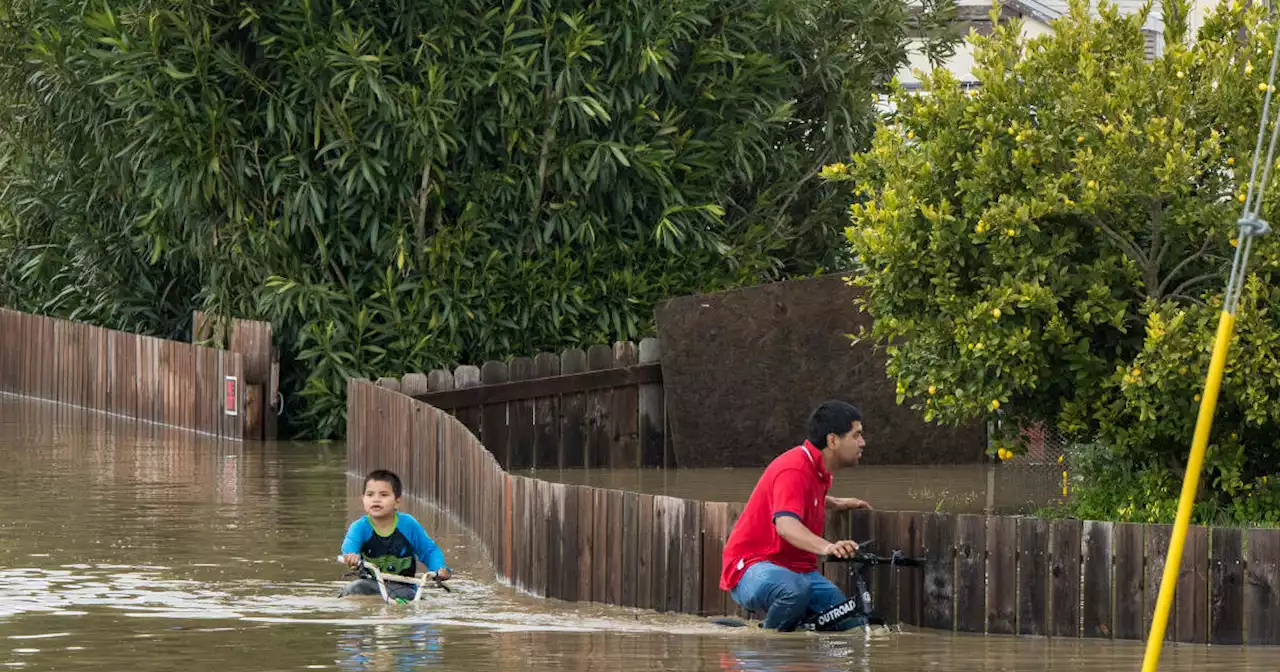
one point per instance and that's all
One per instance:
(128, 547)
(949, 488)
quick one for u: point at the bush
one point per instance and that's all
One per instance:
(1053, 249)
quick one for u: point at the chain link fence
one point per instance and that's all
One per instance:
(1036, 478)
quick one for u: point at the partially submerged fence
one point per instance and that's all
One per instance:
(599, 407)
(1001, 575)
(254, 342)
(149, 379)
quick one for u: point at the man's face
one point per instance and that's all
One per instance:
(848, 446)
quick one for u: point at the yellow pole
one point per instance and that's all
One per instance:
(1190, 483)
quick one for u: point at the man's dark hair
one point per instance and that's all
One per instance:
(832, 417)
(387, 477)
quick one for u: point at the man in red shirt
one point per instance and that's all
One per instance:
(770, 562)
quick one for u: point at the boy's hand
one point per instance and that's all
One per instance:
(443, 574)
(352, 559)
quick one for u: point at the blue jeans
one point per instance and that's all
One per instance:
(786, 597)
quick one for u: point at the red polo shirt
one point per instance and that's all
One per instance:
(795, 483)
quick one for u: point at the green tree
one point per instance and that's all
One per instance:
(403, 185)
(1053, 248)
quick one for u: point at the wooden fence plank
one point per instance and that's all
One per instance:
(673, 523)
(573, 415)
(1226, 587)
(1002, 596)
(911, 588)
(616, 535)
(600, 558)
(691, 557)
(1155, 546)
(546, 416)
(520, 438)
(715, 523)
(548, 533)
(939, 572)
(493, 417)
(644, 551)
(1262, 587)
(50, 355)
(971, 573)
(651, 411)
(508, 521)
(630, 532)
(884, 583)
(599, 357)
(89, 366)
(1192, 596)
(7, 354)
(624, 411)
(1127, 539)
(1097, 552)
(586, 543)
(463, 377)
(1064, 577)
(525, 554)
(71, 364)
(569, 540)
(1033, 572)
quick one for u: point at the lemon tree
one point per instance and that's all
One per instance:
(1052, 247)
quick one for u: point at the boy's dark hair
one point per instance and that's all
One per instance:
(386, 477)
(832, 417)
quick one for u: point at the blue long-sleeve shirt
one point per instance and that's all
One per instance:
(394, 553)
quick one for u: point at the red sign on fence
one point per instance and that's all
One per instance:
(230, 405)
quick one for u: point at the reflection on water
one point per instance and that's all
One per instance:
(951, 488)
(131, 547)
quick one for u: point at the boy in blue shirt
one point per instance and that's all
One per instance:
(388, 539)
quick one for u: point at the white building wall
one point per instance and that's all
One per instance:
(961, 63)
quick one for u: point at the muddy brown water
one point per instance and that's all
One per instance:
(950, 488)
(124, 547)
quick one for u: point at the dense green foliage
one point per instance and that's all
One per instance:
(403, 185)
(1054, 249)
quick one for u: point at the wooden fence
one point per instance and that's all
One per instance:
(600, 407)
(253, 340)
(149, 379)
(992, 574)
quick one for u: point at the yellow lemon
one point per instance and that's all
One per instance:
(995, 312)
(933, 389)
(995, 404)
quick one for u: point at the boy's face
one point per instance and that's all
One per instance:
(380, 500)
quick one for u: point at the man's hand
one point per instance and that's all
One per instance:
(352, 559)
(841, 549)
(443, 574)
(846, 503)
